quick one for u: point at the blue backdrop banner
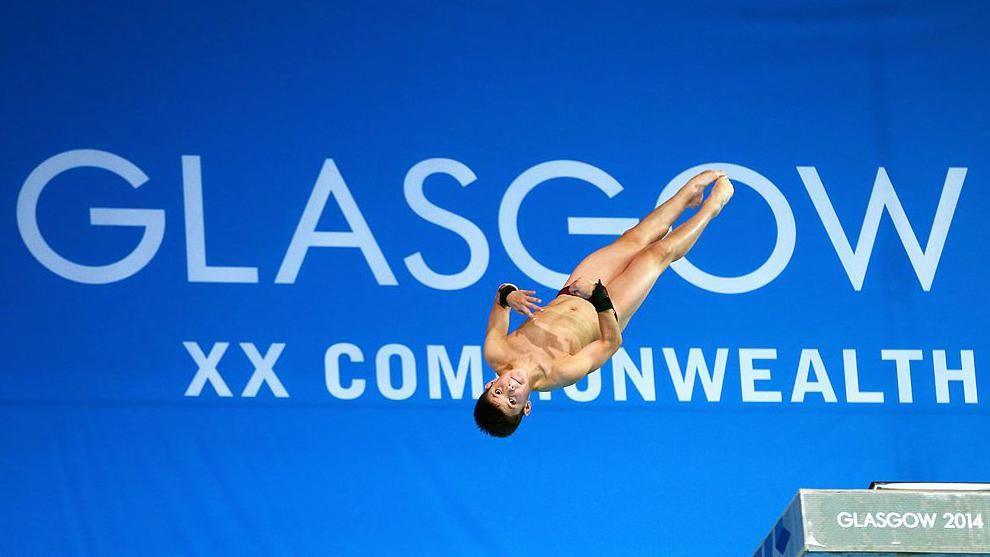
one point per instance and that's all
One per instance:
(249, 251)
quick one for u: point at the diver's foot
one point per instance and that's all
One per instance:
(721, 194)
(697, 198)
(696, 186)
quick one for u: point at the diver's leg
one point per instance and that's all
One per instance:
(608, 262)
(629, 289)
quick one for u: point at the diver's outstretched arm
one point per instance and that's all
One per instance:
(571, 369)
(523, 301)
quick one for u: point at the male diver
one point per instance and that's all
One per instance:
(581, 328)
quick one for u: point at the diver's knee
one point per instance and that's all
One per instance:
(664, 252)
(636, 238)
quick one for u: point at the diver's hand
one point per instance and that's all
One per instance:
(582, 287)
(524, 302)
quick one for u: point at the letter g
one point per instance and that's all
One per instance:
(152, 220)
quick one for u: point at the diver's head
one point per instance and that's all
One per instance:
(503, 404)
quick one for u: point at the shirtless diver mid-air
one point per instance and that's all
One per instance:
(582, 327)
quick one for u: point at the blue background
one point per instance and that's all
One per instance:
(102, 453)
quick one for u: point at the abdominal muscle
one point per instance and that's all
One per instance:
(566, 325)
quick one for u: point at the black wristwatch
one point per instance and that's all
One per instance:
(503, 293)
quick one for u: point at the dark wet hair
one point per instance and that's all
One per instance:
(492, 420)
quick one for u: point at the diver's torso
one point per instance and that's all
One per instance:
(566, 325)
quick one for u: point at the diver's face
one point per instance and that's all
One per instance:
(510, 392)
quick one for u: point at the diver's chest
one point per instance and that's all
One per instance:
(565, 331)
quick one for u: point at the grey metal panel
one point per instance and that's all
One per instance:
(889, 523)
